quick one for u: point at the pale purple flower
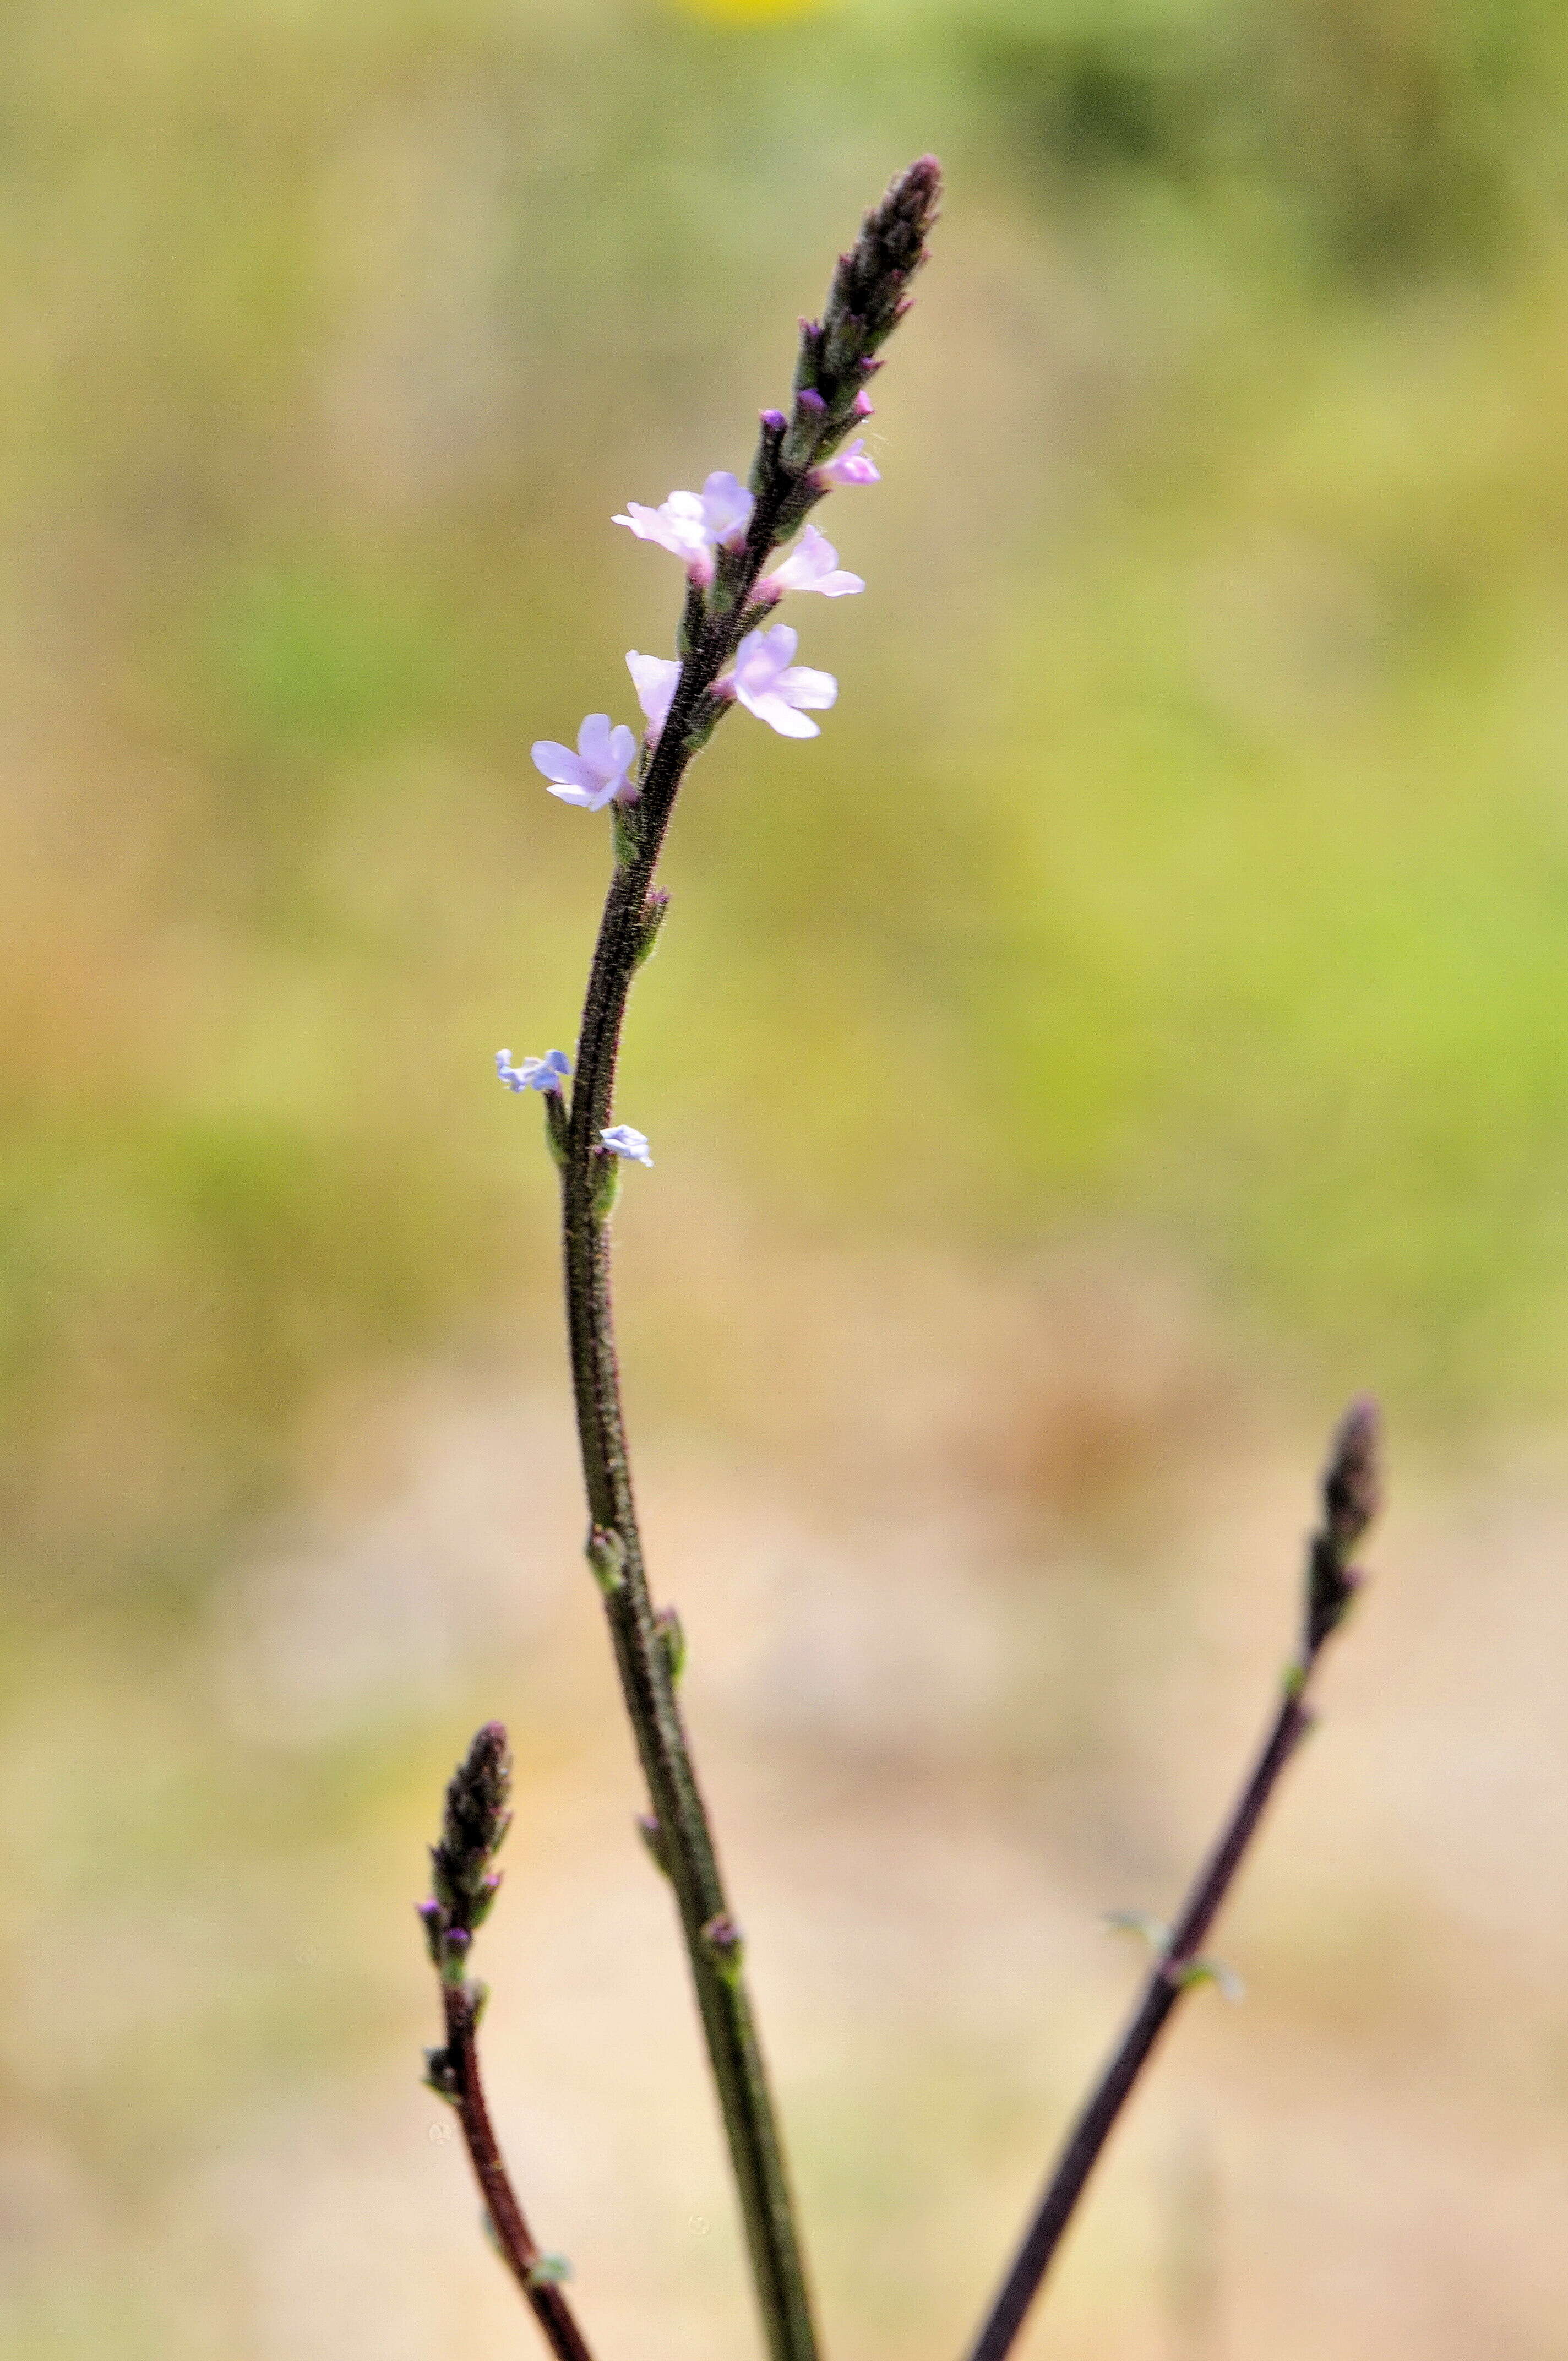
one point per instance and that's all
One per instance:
(850, 467)
(770, 684)
(690, 525)
(545, 1073)
(654, 679)
(622, 1140)
(812, 565)
(599, 773)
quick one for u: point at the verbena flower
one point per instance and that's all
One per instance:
(545, 1073)
(654, 679)
(623, 1141)
(770, 684)
(850, 467)
(599, 773)
(691, 526)
(812, 565)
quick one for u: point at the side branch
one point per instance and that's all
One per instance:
(474, 1821)
(1350, 1502)
(534, 2273)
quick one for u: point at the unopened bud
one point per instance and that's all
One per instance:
(672, 1641)
(725, 1945)
(605, 1554)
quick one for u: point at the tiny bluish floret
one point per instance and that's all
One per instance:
(812, 565)
(770, 684)
(654, 678)
(546, 1073)
(850, 467)
(691, 526)
(623, 1141)
(599, 773)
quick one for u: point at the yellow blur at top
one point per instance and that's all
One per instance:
(749, 12)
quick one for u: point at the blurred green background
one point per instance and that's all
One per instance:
(1137, 1021)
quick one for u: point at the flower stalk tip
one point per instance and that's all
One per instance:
(475, 1819)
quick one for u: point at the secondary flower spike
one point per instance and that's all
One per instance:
(546, 1073)
(770, 684)
(599, 773)
(812, 565)
(691, 526)
(623, 1141)
(654, 679)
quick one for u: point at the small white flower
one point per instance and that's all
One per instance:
(654, 679)
(812, 565)
(770, 684)
(622, 1140)
(545, 1073)
(690, 525)
(599, 773)
(850, 467)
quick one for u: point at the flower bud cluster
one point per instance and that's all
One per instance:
(1352, 1492)
(476, 1821)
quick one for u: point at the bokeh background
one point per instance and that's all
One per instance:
(1137, 1023)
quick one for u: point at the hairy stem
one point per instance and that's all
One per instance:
(683, 1839)
(1350, 1501)
(461, 2084)
(836, 357)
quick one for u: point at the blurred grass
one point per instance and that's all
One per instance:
(1182, 878)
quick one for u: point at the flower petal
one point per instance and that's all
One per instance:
(814, 690)
(654, 679)
(558, 761)
(594, 743)
(622, 749)
(769, 707)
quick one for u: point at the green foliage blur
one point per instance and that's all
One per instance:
(1184, 869)
(1187, 853)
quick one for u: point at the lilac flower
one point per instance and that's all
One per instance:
(812, 565)
(690, 525)
(545, 1073)
(850, 467)
(770, 684)
(622, 1140)
(599, 773)
(654, 679)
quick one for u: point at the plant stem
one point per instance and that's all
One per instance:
(684, 1839)
(1351, 1499)
(462, 2085)
(836, 357)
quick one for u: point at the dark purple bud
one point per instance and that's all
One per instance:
(458, 1939)
(864, 406)
(1351, 1497)
(809, 399)
(773, 421)
(1351, 1480)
